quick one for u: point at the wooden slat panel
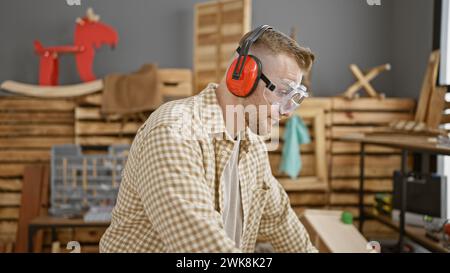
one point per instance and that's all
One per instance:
(33, 142)
(7, 103)
(103, 128)
(350, 199)
(36, 118)
(173, 75)
(93, 113)
(340, 131)
(303, 184)
(307, 199)
(10, 184)
(375, 166)
(9, 213)
(24, 155)
(103, 140)
(368, 118)
(36, 130)
(9, 199)
(370, 185)
(11, 170)
(8, 228)
(371, 104)
(339, 147)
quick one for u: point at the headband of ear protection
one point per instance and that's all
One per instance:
(246, 70)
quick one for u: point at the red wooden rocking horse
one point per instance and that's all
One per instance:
(89, 33)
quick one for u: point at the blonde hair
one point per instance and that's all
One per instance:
(277, 42)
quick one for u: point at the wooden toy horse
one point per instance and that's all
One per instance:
(89, 33)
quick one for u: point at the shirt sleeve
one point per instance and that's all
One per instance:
(280, 223)
(175, 194)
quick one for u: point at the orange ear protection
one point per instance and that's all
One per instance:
(246, 70)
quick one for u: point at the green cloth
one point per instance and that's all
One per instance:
(295, 134)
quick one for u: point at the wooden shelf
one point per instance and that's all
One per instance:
(417, 234)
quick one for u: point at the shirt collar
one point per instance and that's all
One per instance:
(211, 116)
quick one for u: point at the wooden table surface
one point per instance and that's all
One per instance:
(410, 142)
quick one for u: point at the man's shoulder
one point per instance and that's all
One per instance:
(170, 114)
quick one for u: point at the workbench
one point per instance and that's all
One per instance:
(54, 223)
(407, 144)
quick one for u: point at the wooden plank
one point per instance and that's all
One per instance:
(335, 236)
(11, 170)
(217, 24)
(303, 184)
(9, 213)
(340, 131)
(33, 142)
(350, 199)
(103, 128)
(36, 130)
(44, 206)
(171, 75)
(370, 185)
(23, 156)
(340, 147)
(428, 86)
(20, 103)
(180, 90)
(362, 118)
(36, 118)
(11, 185)
(376, 165)
(8, 228)
(307, 199)
(373, 104)
(103, 140)
(9, 199)
(436, 107)
(93, 113)
(30, 203)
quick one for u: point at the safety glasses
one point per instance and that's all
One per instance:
(285, 93)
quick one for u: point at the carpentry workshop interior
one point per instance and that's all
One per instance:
(364, 160)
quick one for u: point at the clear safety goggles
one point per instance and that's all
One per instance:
(285, 94)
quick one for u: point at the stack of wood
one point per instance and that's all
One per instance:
(431, 105)
(218, 27)
(28, 128)
(94, 129)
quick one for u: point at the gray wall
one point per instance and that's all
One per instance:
(340, 32)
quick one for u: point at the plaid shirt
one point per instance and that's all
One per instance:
(170, 198)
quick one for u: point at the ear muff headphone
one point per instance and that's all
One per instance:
(246, 70)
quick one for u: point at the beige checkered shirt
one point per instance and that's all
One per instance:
(170, 198)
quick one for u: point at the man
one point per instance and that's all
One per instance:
(198, 177)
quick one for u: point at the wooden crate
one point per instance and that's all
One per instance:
(94, 129)
(218, 27)
(363, 115)
(28, 129)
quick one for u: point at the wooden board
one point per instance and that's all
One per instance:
(218, 27)
(31, 201)
(436, 107)
(428, 86)
(329, 234)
